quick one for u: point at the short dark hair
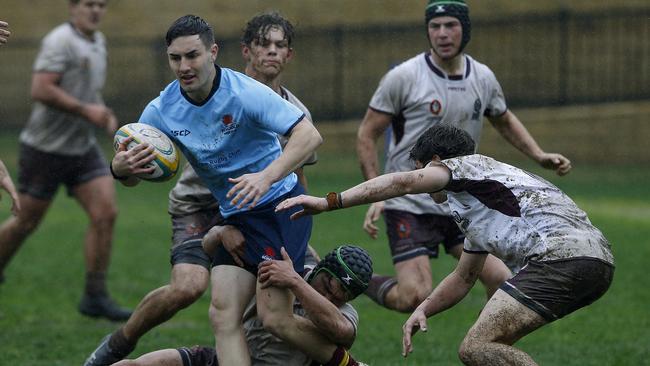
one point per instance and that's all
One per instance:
(257, 28)
(189, 25)
(443, 140)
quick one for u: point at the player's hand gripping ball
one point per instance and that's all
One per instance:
(167, 159)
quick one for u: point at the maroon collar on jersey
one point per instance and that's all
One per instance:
(442, 74)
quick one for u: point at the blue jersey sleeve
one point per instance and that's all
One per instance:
(151, 117)
(269, 110)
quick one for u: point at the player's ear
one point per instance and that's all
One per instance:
(435, 158)
(245, 52)
(214, 51)
(290, 54)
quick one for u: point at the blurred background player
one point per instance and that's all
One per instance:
(561, 261)
(58, 146)
(322, 297)
(5, 179)
(442, 84)
(266, 47)
(4, 32)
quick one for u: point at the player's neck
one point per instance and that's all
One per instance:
(271, 82)
(452, 66)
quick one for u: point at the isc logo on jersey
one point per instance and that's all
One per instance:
(167, 159)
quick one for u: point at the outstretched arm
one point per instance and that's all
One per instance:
(511, 128)
(448, 293)
(426, 180)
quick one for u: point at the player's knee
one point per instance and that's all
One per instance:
(103, 217)
(184, 296)
(468, 351)
(223, 318)
(411, 296)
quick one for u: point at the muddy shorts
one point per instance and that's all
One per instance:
(556, 288)
(187, 234)
(411, 235)
(198, 356)
(41, 173)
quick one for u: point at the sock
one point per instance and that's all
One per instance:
(119, 344)
(341, 357)
(379, 287)
(96, 283)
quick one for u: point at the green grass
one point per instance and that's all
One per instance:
(39, 324)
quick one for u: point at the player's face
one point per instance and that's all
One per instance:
(330, 288)
(267, 57)
(87, 14)
(193, 64)
(445, 35)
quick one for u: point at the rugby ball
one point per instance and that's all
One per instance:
(167, 158)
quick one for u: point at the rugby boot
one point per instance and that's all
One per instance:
(103, 355)
(102, 306)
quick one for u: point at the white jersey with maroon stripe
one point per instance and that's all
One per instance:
(516, 215)
(190, 195)
(419, 94)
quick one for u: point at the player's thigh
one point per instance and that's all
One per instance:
(97, 196)
(232, 289)
(504, 320)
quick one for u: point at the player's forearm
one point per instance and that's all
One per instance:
(326, 316)
(392, 185)
(367, 154)
(511, 128)
(302, 143)
(55, 97)
(448, 293)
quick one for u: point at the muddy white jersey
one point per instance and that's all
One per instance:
(190, 195)
(516, 215)
(418, 95)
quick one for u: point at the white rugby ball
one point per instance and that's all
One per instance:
(167, 159)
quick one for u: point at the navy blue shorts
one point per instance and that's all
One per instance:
(266, 231)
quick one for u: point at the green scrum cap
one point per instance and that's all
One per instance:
(350, 265)
(453, 8)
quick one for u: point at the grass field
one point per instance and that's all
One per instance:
(39, 324)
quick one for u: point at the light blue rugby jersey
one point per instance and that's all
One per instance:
(232, 133)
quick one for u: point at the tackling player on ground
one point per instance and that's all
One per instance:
(562, 262)
(322, 298)
(442, 84)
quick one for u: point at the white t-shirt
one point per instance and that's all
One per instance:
(419, 94)
(82, 65)
(516, 215)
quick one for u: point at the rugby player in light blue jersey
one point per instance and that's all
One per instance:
(226, 124)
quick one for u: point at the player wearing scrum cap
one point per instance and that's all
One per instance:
(443, 84)
(322, 297)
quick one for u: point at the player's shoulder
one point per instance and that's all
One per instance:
(408, 68)
(59, 34)
(482, 70)
(291, 98)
